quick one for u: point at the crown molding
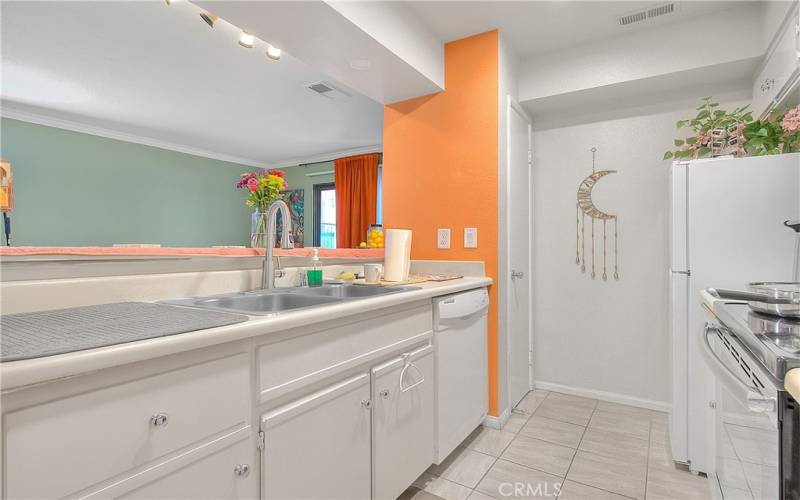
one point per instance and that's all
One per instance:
(322, 157)
(74, 126)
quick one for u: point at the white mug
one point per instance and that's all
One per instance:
(372, 273)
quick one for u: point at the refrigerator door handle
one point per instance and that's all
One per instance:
(685, 273)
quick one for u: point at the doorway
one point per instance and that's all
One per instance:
(519, 217)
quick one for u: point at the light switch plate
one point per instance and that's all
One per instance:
(470, 237)
(443, 238)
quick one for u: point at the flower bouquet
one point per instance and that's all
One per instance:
(263, 187)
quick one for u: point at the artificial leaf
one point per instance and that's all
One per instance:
(668, 155)
(679, 142)
(703, 151)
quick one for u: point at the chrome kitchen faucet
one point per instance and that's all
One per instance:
(269, 272)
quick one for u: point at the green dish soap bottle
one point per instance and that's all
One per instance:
(314, 276)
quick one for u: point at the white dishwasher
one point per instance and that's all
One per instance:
(459, 324)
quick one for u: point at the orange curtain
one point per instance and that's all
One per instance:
(356, 184)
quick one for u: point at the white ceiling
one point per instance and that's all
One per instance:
(157, 71)
(379, 48)
(535, 27)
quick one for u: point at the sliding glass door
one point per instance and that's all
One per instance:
(325, 215)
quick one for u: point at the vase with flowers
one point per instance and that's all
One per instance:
(263, 187)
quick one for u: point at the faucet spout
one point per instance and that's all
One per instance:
(269, 272)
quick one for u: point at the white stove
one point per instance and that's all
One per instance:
(757, 423)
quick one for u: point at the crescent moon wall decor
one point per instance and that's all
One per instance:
(585, 207)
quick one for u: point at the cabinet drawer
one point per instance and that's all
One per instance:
(292, 364)
(227, 474)
(58, 448)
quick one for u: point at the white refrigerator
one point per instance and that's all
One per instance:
(726, 230)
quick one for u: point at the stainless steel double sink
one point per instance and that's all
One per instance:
(277, 300)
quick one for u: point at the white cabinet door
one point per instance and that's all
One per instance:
(779, 68)
(402, 420)
(319, 446)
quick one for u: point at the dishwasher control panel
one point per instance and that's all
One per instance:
(462, 304)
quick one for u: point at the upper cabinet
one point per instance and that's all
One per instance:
(780, 72)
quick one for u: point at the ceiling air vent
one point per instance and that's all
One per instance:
(327, 90)
(319, 88)
(649, 13)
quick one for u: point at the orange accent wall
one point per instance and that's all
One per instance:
(440, 167)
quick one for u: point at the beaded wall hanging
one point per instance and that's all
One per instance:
(585, 208)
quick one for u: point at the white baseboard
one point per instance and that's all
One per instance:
(497, 422)
(611, 397)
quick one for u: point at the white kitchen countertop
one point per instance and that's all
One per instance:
(16, 374)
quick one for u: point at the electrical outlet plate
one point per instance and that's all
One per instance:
(470, 237)
(443, 238)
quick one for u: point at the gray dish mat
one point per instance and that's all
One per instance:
(46, 333)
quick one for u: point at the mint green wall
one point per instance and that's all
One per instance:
(296, 178)
(74, 189)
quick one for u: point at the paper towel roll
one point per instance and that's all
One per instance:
(397, 254)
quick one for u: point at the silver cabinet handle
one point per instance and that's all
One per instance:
(242, 470)
(517, 274)
(366, 403)
(159, 420)
(384, 394)
(406, 365)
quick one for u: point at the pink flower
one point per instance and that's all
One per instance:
(252, 184)
(791, 120)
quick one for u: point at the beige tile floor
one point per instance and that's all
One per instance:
(565, 447)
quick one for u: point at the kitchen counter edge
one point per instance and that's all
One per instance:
(15, 375)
